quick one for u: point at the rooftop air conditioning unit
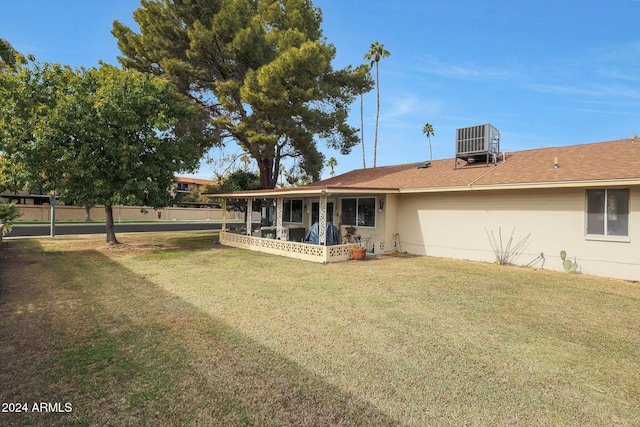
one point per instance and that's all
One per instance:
(481, 142)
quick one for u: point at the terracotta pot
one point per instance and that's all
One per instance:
(358, 253)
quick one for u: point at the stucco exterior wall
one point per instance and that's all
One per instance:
(455, 225)
(391, 221)
(373, 238)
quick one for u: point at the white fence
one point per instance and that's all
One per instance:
(303, 251)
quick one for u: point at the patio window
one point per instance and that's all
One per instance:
(608, 212)
(359, 212)
(292, 211)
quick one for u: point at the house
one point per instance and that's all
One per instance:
(24, 198)
(184, 185)
(582, 199)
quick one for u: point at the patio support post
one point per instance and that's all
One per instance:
(224, 214)
(322, 223)
(279, 210)
(249, 215)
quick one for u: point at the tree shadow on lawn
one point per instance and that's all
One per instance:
(192, 240)
(122, 351)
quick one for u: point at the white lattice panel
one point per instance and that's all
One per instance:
(339, 253)
(304, 251)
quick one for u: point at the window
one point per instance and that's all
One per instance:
(315, 212)
(292, 211)
(360, 212)
(608, 212)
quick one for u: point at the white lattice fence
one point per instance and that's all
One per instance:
(304, 251)
(339, 252)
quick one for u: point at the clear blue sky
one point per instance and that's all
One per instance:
(545, 73)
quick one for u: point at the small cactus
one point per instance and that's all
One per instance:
(569, 266)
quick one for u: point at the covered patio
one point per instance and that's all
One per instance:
(286, 215)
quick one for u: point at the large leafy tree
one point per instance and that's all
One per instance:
(261, 69)
(237, 181)
(8, 55)
(375, 54)
(96, 136)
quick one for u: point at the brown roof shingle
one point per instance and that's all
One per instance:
(613, 160)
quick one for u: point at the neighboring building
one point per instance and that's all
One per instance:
(184, 185)
(23, 197)
(583, 199)
(188, 189)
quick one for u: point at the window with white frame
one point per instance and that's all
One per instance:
(292, 211)
(608, 212)
(359, 212)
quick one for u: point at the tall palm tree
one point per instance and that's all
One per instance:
(364, 69)
(376, 52)
(332, 162)
(364, 157)
(428, 131)
(245, 159)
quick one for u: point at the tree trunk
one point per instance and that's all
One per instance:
(430, 151)
(111, 230)
(267, 180)
(375, 142)
(87, 213)
(364, 157)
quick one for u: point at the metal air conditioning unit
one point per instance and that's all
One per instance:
(476, 143)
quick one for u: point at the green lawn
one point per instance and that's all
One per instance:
(169, 329)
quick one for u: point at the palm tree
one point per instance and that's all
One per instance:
(245, 159)
(363, 69)
(332, 162)
(376, 52)
(428, 131)
(8, 214)
(282, 171)
(364, 157)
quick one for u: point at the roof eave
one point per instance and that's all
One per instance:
(337, 190)
(527, 185)
(303, 192)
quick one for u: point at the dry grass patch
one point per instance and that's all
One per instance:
(170, 327)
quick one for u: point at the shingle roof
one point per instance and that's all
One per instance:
(613, 160)
(602, 163)
(193, 180)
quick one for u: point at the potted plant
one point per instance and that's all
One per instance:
(358, 252)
